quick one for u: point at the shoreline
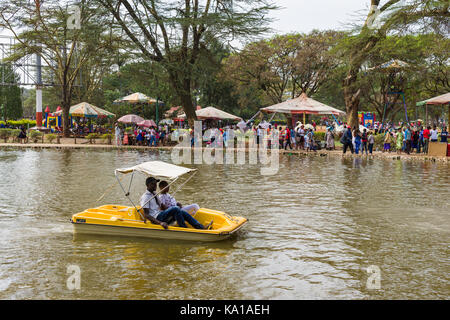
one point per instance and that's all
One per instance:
(321, 153)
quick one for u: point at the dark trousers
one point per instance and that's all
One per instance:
(348, 145)
(364, 147)
(175, 213)
(370, 148)
(288, 142)
(408, 146)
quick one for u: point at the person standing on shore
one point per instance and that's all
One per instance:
(387, 141)
(118, 135)
(415, 139)
(407, 140)
(371, 141)
(287, 138)
(426, 139)
(399, 142)
(444, 135)
(364, 141)
(357, 136)
(420, 142)
(434, 134)
(346, 139)
(329, 138)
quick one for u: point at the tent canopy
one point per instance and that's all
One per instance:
(86, 110)
(390, 65)
(213, 114)
(136, 97)
(130, 118)
(302, 105)
(158, 169)
(439, 100)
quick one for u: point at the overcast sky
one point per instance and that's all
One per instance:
(306, 15)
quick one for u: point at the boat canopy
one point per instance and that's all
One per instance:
(158, 169)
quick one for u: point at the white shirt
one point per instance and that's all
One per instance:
(167, 200)
(152, 205)
(434, 134)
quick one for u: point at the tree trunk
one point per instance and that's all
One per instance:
(184, 93)
(189, 108)
(351, 97)
(65, 105)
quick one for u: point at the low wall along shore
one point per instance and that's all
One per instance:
(66, 144)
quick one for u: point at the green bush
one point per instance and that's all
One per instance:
(5, 134)
(92, 136)
(50, 137)
(319, 136)
(15, 133)
(35, 135)
(19, 123)
(379, 141)
(107, 137)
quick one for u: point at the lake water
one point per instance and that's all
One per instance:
(314, 229)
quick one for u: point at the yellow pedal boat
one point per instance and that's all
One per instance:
(116, 220)
(126, 221)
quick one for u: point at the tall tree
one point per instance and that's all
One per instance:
(65, 47)
(10, 95)
(382, 19)
(285, 65)
(173, 33)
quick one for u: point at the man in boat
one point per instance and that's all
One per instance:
(152, 209)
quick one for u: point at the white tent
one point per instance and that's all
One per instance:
(213, 113)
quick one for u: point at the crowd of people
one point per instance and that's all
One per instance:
(405, 139)
(141, 136)
(413, 139)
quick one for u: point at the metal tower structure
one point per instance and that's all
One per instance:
(30, 70)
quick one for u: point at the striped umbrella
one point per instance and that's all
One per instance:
(147, 123)
(86, 110)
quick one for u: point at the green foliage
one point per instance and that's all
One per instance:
(35, 135)
(10, 96)
(107, 137)
(379, 141)
(50, 137)
(319, 136)
(92, 136)
(19, 123)
(5, 134)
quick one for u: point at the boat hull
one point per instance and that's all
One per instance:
(106, 221)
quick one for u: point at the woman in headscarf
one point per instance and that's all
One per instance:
(329, 138)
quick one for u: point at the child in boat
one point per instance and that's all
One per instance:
(167, 201)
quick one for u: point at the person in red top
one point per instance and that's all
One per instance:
(287, 138)
(426, 139)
